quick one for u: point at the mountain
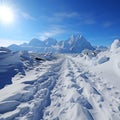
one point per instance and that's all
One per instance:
(75, 44)
(15, 47)
(36, 42)
(50, 42)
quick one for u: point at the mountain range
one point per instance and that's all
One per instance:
(74, 44)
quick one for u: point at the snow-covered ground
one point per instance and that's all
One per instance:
(65, 87)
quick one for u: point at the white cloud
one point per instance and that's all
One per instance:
(7, 42)
(27, 16)
(82, 18)
(66, 15)
(51, 32)
(61, 16)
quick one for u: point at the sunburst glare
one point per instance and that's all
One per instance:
(6, 14)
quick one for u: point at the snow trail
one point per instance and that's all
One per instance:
(77, 95)
(67, 99)
(65, 90)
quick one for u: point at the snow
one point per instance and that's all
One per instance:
(4, 106)
(115, 45)
(103, 59)
(75, 44)
(81, 86)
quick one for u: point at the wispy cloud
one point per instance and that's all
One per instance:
(26, 15)
(61, 16)
(66, 14)
(88, 19)
(81, 18)
(51, 32)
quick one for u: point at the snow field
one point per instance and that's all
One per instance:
(76, 97)
(64, 87)
(34, 96)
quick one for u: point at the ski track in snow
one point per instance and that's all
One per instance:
(66, 91)
(81, 95)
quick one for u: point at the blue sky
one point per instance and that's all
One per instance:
(97, 20)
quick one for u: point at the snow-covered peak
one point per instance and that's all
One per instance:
(77, 43)
(50, 39)
(46, 43)
(115, 45)
(76, 37)
(36, 42)
(50, 42)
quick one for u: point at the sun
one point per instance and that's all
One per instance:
(6, 15)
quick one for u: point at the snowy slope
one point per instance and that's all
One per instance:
(9, 65)
(12, 63)
(66, 87)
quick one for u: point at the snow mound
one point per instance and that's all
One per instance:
(12, 63)
(116, 62)
(9, 65)
(115, 45)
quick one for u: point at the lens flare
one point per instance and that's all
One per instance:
(6, 15)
